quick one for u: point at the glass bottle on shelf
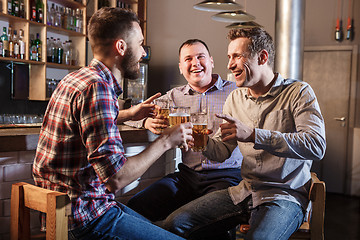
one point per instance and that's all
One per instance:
(48, 50)
(38, 45)
(52, 15)
(21, 9)
(9, 7)
(60, 51)
(11, 43)
(39, 11)
(5, 41)
(33, 11)
(57, 17)
(32, 48)
(21, 44)
(16, 46)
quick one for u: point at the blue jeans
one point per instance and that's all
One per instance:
(120, 222)
(210, 216)
(163, 197)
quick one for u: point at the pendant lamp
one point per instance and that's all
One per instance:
(250, 24)
(218, 6)
(236, 16)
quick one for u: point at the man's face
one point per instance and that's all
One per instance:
(241, 64)
(196, 64)
(133, 54)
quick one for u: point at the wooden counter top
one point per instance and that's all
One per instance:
(24, 139)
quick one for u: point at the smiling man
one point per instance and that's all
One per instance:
(80, 151)
(197, 174)
(279, 129)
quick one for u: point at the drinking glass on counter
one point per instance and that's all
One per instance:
(163, 110)
(178, 115)
(199, 121)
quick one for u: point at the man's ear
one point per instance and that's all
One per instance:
(180, 69)
(121, 47)
(263, 57)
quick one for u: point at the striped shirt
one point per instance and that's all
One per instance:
(80, 146)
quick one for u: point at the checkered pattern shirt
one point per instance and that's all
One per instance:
(79, 146)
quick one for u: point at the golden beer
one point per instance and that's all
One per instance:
(199, 135)
(178, 118)
(164, 112)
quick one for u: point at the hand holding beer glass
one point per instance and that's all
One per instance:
(200, 131)
(162, 111)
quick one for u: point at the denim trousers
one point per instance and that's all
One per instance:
(174, 190)
(120, 222)
(210, 216)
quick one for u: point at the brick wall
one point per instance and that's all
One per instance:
(17, 166)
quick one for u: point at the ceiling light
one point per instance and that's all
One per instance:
(237, 16)
(218, 6)
(244, 25)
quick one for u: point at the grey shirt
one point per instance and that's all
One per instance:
(289, 135)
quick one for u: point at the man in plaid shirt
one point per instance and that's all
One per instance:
(80, 150)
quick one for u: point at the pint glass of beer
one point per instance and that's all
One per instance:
(163, 104)
(199, 121)
(178, 115)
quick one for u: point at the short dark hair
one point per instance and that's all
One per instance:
(191, 42)
(109, 24)
(259, 38)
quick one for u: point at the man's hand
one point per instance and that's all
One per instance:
(139, 111)
(233, 129)
(179, 135)
(154, 124)
(144, 109)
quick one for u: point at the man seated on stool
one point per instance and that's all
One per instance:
(197, 174)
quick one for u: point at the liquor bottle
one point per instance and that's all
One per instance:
(79, 21)
(21, 44)
(21, 9)
(38, 45)
(60, 51)
(52, 15)
(15, 8)
(9, 7)
(39, 11)
(11, 42)
(5, 40)
(16, 46)
(33, 10)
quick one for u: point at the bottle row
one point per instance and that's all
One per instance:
(65, 17)
(57, 15)
(17, 8)
(61, 53)
(12, 45)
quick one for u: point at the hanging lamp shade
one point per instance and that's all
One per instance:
(218, 6)
(236, 16)
(250, 24)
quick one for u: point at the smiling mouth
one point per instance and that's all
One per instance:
(238, 73)
(196, 71)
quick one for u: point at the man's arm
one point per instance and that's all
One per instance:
(139, 111)
(136, 165)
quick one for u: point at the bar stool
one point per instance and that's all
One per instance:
(56, 205)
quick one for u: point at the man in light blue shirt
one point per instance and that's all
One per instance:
(197, 174)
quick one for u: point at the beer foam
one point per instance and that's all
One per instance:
(179, 115)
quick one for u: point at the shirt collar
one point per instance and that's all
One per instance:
(274, 90)
(218, 85)
(107, 75)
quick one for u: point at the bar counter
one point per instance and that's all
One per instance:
(26, 138)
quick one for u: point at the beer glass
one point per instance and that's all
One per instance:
(163, 111)
(199, 121)
(178, 115)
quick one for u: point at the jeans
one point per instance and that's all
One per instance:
(163, 197)
(120, 222)
(210, 216)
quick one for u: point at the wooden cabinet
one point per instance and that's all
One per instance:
(38, 70)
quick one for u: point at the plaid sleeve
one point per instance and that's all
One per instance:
(98, 113)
